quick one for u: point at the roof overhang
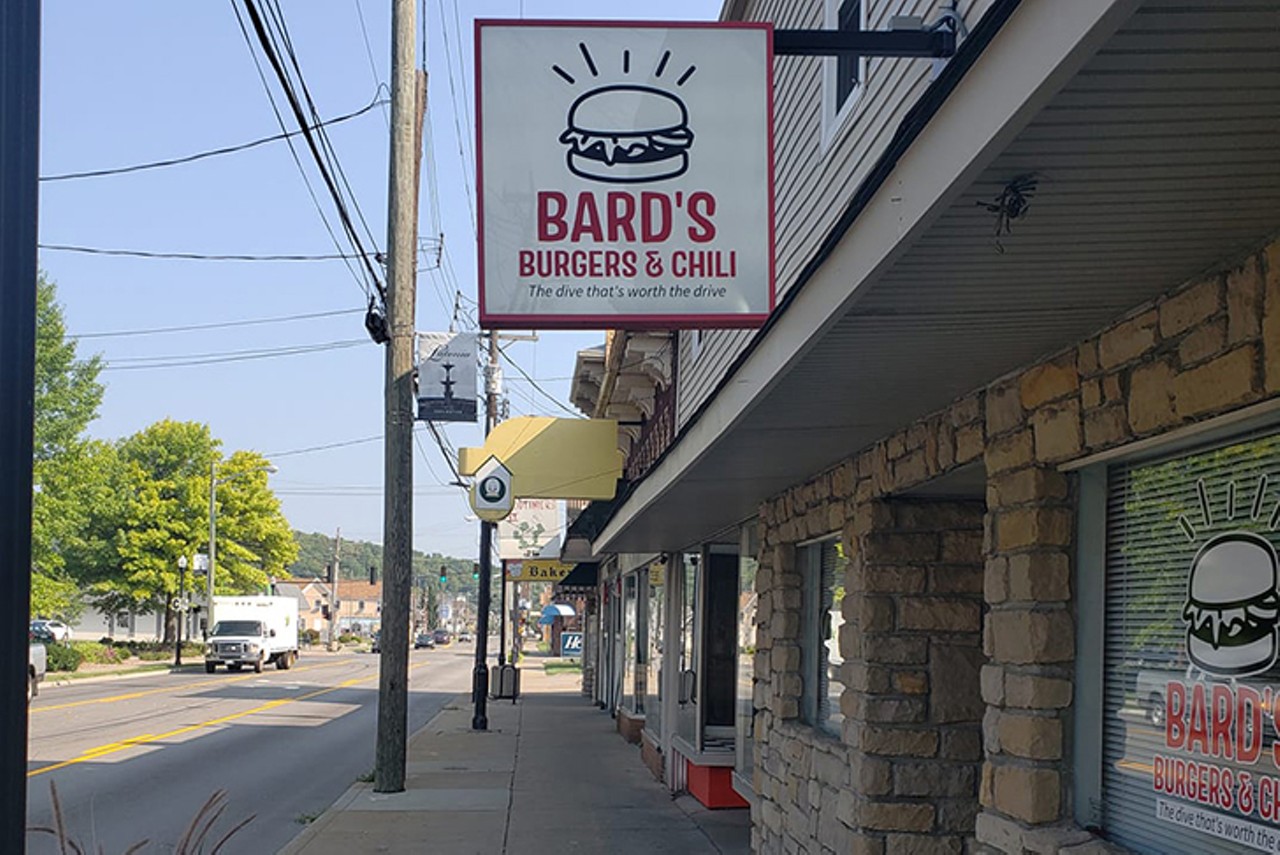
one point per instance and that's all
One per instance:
(1154, 130)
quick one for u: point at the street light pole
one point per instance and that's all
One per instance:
(182, 595)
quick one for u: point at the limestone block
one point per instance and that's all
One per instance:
(1151, 397)
(962, 547)
(1024, 637)
(896, 710)
(1244, 301)
(961, 744)
(1031, 691)
(1207, 340)
(1040, 577)
(1216, 385)
(874, 614)
(890, 547)
(1187, 308)
(968, 443)
(871, 776)
(895, 816)
(966, 410)
(890, 649)
(958, 815)
(1091, 393)
(891, 580)
(1105, 427)
(1034, 526)
(960, 579)
(1035, 737)
(1128, 340)
(1032, 794)
(1010, 452)
(995, 580)
(934, 779)
(919, 844)
(1087, 357)
(1057, 431)
(939, 614)
(1049, 382)
(910, 470)
(1029, 484)
(900, 742)
(1004, 409)
(910, 682)
(992, 681)
(999, 832)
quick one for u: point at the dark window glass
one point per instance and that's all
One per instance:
(848, 66)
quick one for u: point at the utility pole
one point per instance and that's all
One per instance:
(19, 156)
(480, 684)
(397, 540)
(335, 602)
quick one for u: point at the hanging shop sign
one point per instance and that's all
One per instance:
(447, 377)
(491, 496)
(536, 569)
(529, 528)
(625, 174)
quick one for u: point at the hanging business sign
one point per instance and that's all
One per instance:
(536, 570)
(531, 526)
(447, 377)
(625, 174)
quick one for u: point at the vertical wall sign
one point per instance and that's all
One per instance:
(447, 377)
(625, 174)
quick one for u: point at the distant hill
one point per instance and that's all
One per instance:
(315, 552)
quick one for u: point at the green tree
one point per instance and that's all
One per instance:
(255, 542)
(67, 397)
(67, 394)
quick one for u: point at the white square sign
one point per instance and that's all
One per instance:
(625, 174)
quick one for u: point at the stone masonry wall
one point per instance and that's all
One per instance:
(1205, 349)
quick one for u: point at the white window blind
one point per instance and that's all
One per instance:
(1187, 545)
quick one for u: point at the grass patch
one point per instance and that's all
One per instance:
(366, 778)
(307, 818)
(563, 667)
(137, 669)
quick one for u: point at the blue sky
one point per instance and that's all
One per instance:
(125, 83)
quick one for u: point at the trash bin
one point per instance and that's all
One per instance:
(504, 681)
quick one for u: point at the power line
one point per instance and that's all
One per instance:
(534, 383)
(216, 152)
(248, 322)
(293, 152)
(327, 447)
(193, 256)
(146, 362)
(246, 352)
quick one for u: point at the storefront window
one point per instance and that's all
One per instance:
(823, 564)
(688, 683)
(653, 685)
(1191, 684)
(747, 565)
(629, 643)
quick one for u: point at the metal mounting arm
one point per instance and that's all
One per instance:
(936, 43)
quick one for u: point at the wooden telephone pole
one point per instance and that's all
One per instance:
(397, 540)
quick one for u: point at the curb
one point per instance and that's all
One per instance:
(47, 683)
(314, 828)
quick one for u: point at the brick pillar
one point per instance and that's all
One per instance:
(912, 647)
(1029, 639)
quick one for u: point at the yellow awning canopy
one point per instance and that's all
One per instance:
(553, 458)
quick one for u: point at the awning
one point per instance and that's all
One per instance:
(555, 610)
(584, 576)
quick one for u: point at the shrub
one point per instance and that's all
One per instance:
(309, 636)
(348, 638)
(63, 657)
(154, 655)
(96, 653)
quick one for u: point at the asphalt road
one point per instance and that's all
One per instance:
(136, 759)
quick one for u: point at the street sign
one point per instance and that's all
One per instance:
(571, 644)
(625, 174)
(491, 496)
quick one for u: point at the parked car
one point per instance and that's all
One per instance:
(441, 636)
(465, 638)
(424, 641)
(377, 643)
(37, 660)
(56, 628)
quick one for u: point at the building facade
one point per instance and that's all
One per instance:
(973, 545)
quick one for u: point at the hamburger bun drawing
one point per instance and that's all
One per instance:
(1232, 606)
(627, 134)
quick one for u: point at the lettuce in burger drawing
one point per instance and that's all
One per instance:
(627, 134)
(1232, 606)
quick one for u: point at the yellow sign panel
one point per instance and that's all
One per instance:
(657, 574)
(552, 458)
(536, 570)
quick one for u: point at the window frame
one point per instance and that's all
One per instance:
(814, 661)
(835, 113)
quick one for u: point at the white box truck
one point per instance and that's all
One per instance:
(252, 631)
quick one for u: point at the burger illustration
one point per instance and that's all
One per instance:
(1232, 605)
(628, 134)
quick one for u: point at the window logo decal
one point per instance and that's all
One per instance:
(1232, 610)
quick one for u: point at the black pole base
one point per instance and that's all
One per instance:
(480, 697)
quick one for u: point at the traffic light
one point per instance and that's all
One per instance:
(444, 574)
(475, 572)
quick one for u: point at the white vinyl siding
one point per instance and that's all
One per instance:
(814, 183)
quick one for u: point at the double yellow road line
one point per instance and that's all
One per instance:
(151, 739)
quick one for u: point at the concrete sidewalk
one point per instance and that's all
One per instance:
(550, 775)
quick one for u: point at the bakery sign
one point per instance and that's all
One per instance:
(625, 174)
